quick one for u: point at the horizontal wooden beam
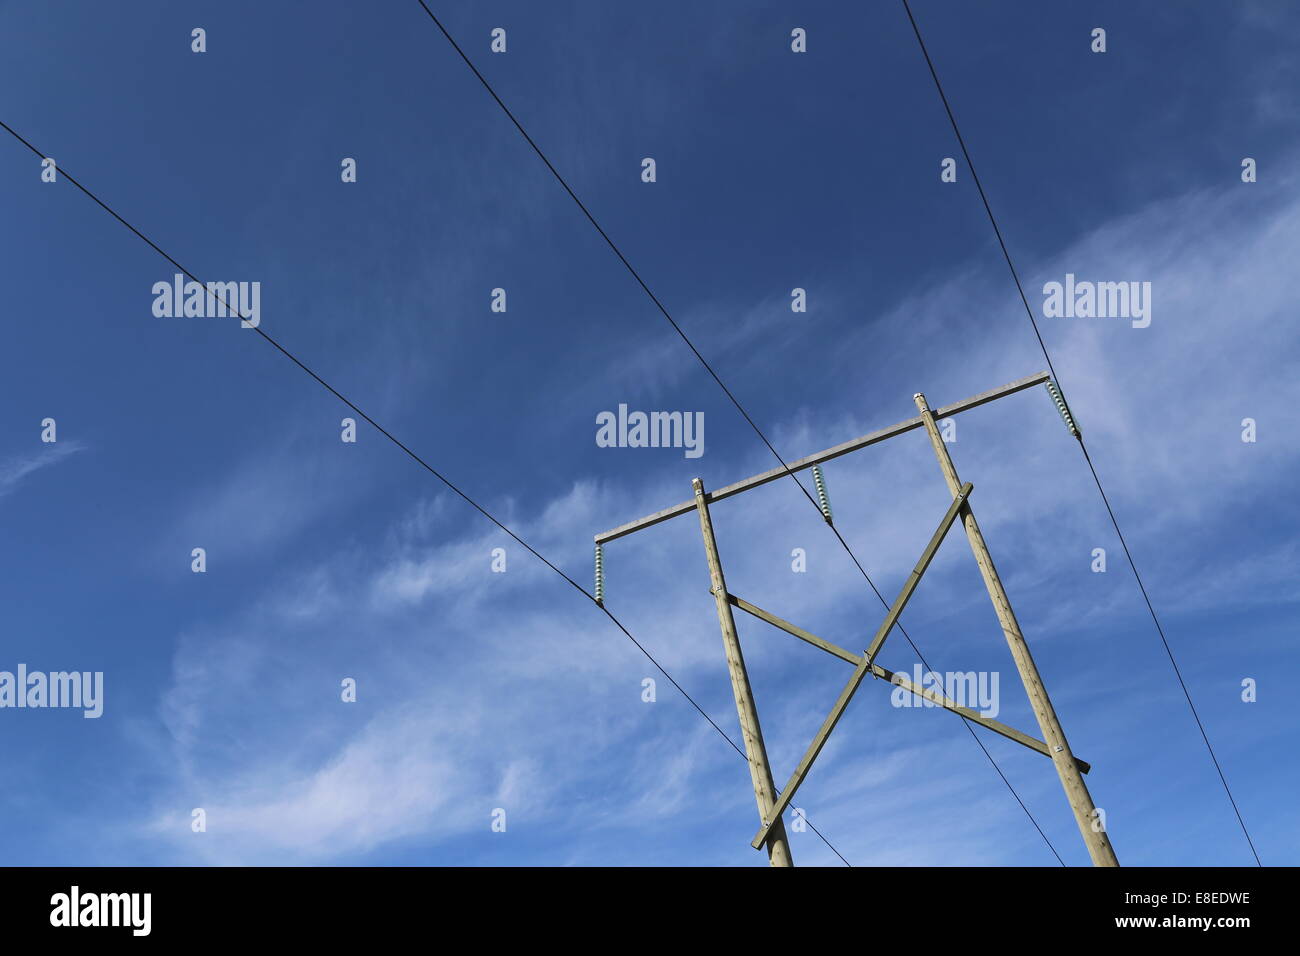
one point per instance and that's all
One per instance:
(802, 464)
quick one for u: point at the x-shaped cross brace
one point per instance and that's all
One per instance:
(864, 665)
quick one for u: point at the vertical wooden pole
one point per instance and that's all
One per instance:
(1076, 791)
(778, 846)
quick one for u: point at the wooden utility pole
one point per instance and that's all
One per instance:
(1076, 791)
(771, 833)
(778, 846)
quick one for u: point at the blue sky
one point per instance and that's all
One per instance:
(775, 170)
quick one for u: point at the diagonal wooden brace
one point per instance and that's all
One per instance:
(900, 680)
(863, 668)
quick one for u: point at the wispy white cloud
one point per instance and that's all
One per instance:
(16, 468)
(484, 689)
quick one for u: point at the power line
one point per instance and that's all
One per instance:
(696, 352)
(411, 454)
(1078, 435)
